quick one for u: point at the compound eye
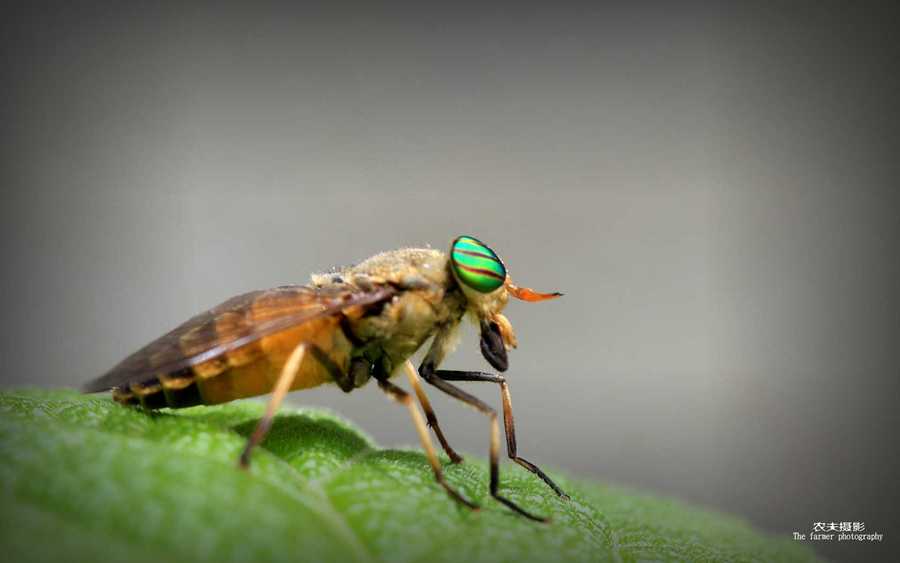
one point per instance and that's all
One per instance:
(476, 265)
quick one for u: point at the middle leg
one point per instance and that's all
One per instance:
(416, 383)
(404, 398)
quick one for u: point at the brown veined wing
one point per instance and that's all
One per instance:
(250, 317)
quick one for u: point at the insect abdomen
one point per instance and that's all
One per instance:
(248, 371)
(179, 391)
(187, 389)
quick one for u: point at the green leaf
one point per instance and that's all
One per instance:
(84, 479)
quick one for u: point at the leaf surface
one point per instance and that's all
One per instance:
(84, 479)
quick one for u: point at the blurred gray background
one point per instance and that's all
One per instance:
(709, 186)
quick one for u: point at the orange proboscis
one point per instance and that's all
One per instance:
(528, 294)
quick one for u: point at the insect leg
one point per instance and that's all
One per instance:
(416, 383)
(288, 373)
(508, 422)
(431, 377)
(404, 398)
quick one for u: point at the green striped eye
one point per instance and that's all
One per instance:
(476, 265)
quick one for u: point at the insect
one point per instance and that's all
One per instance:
(345, 327)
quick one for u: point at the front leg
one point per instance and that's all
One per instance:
(431, 376)
(508, 422)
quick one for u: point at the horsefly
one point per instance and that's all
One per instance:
(345, 327)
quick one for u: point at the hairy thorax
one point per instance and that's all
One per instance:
(428, 299)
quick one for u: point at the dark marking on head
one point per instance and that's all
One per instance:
(492, 347)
